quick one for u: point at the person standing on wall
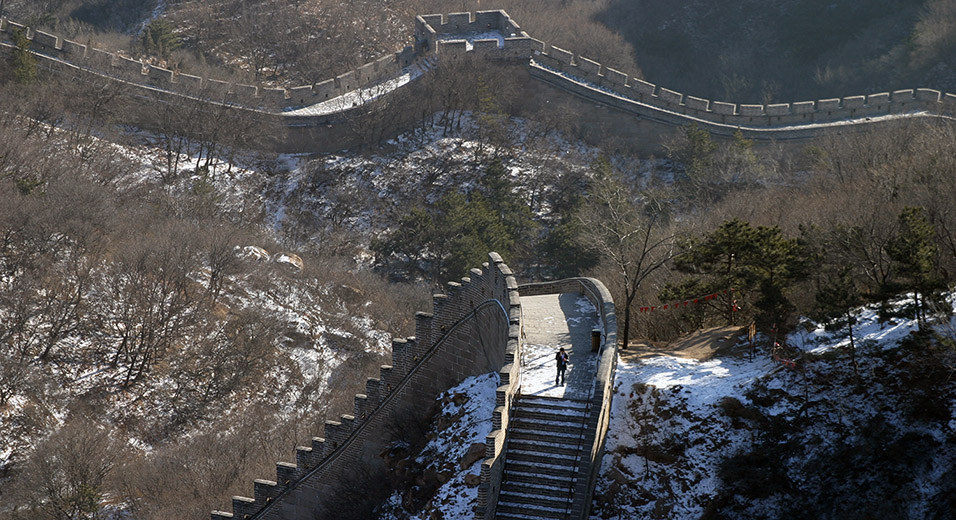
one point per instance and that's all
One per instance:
(562, 360)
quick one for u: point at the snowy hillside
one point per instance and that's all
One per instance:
(735, 437)
(151, 325)
(271, 315)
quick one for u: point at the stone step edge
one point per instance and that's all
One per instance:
(533, 507)
(562, 457)
(548, 498)
(519, 473)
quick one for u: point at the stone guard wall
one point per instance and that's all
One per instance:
(84, 56)
(467, 334)
(603, 390)
(447, 37)
(605, 85)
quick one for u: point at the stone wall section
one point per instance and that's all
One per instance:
(492, 468)
(447, 36)
(474, 328)
(604, 81)
(453, 36)
(49, 48)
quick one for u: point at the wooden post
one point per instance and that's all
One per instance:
(751, 334)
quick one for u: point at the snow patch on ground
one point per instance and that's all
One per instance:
(538, 365)
(471, 38)
(670, 428)
(686, 392)
(868, 328)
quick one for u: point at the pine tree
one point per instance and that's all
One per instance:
(497, 189)
(696, 150)
(563, 249)
(160, 38)
(916, 258)
(445, 239)
(24, 63)
(465, 232)
(836, 300)
(758, 264)
(490, 118)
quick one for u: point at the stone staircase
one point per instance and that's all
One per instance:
(546, 440)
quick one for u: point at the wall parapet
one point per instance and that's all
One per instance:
(86, 56)
(775, 115)
(492, 468)
(472, 330)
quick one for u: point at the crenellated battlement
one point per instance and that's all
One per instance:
(636, 109)
(54, 51)
(474, 328)
(575, 68)
(486, 34)
(433, 26)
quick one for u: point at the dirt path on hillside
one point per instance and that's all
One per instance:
(700, 345)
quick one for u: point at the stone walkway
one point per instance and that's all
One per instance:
(552, 321)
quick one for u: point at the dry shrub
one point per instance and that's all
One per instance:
(69, 475)
(191, 477)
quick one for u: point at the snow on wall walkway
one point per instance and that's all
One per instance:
(362, 95)
(552, 321)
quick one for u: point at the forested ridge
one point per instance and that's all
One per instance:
(178, 311)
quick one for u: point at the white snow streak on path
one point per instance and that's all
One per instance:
(550, 322)
(360, 96)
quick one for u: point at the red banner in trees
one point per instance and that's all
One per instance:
(685, 303)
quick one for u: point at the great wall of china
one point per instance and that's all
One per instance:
(604, 101)
(477, 327)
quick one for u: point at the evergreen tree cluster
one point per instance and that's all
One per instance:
(754, 272)
(753, 265)
(442, 240)
(23, 62)
(159, 38)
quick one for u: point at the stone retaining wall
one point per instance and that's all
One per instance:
(474, 329)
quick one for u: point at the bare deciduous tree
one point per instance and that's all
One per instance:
(630, 232)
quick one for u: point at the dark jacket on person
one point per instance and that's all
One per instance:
(562, 359)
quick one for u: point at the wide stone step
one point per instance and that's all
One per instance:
(558, 438)
(553, 403)
(517, 516)
(511, 496)
(554, 470)
(536, 485)
(547, 414)
(538, 425)
(529, 511)
(513, 474)
(538, 457)
(570, 446)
